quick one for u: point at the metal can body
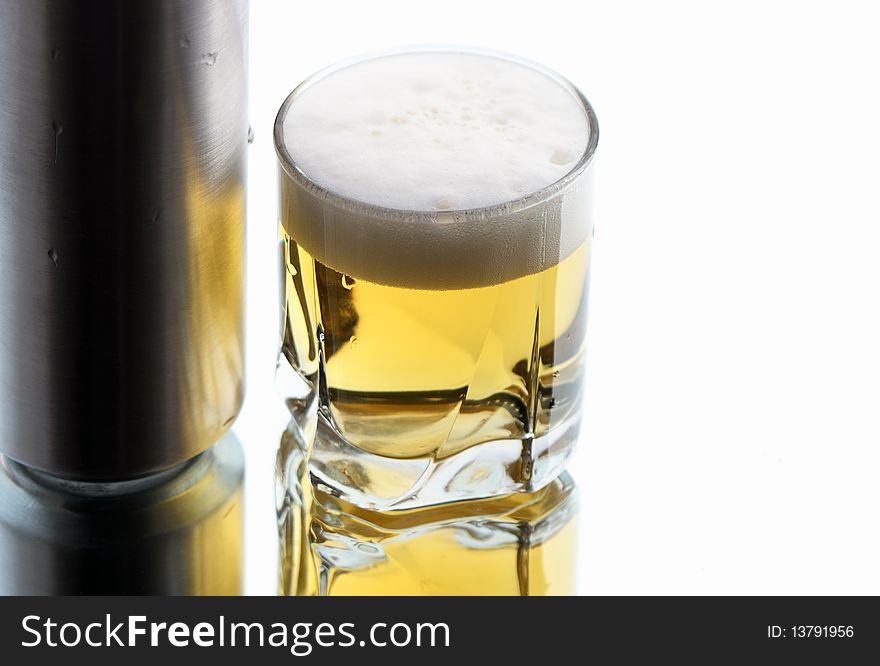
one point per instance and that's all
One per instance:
(123, 136)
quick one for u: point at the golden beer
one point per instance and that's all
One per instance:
(445, 344)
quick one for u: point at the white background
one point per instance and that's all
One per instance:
(732, 430)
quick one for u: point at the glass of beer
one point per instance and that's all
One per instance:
(435, 233)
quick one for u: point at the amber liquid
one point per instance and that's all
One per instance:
(411, 373)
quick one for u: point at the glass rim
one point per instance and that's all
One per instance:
(292, 169)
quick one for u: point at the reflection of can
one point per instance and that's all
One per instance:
(123, 140)
(174, 533)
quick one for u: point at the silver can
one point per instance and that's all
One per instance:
(123, 137)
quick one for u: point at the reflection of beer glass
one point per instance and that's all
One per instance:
(435, 226)
(516, 545)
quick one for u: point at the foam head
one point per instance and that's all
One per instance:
(435, 132)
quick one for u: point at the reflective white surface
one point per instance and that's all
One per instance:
(732, 435)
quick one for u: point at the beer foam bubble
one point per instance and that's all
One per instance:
(431, 131)
(460, 138)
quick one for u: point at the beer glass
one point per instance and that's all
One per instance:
(435, 233)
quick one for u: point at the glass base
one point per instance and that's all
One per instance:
(490, 469)
(518, 544)
(515, 544)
